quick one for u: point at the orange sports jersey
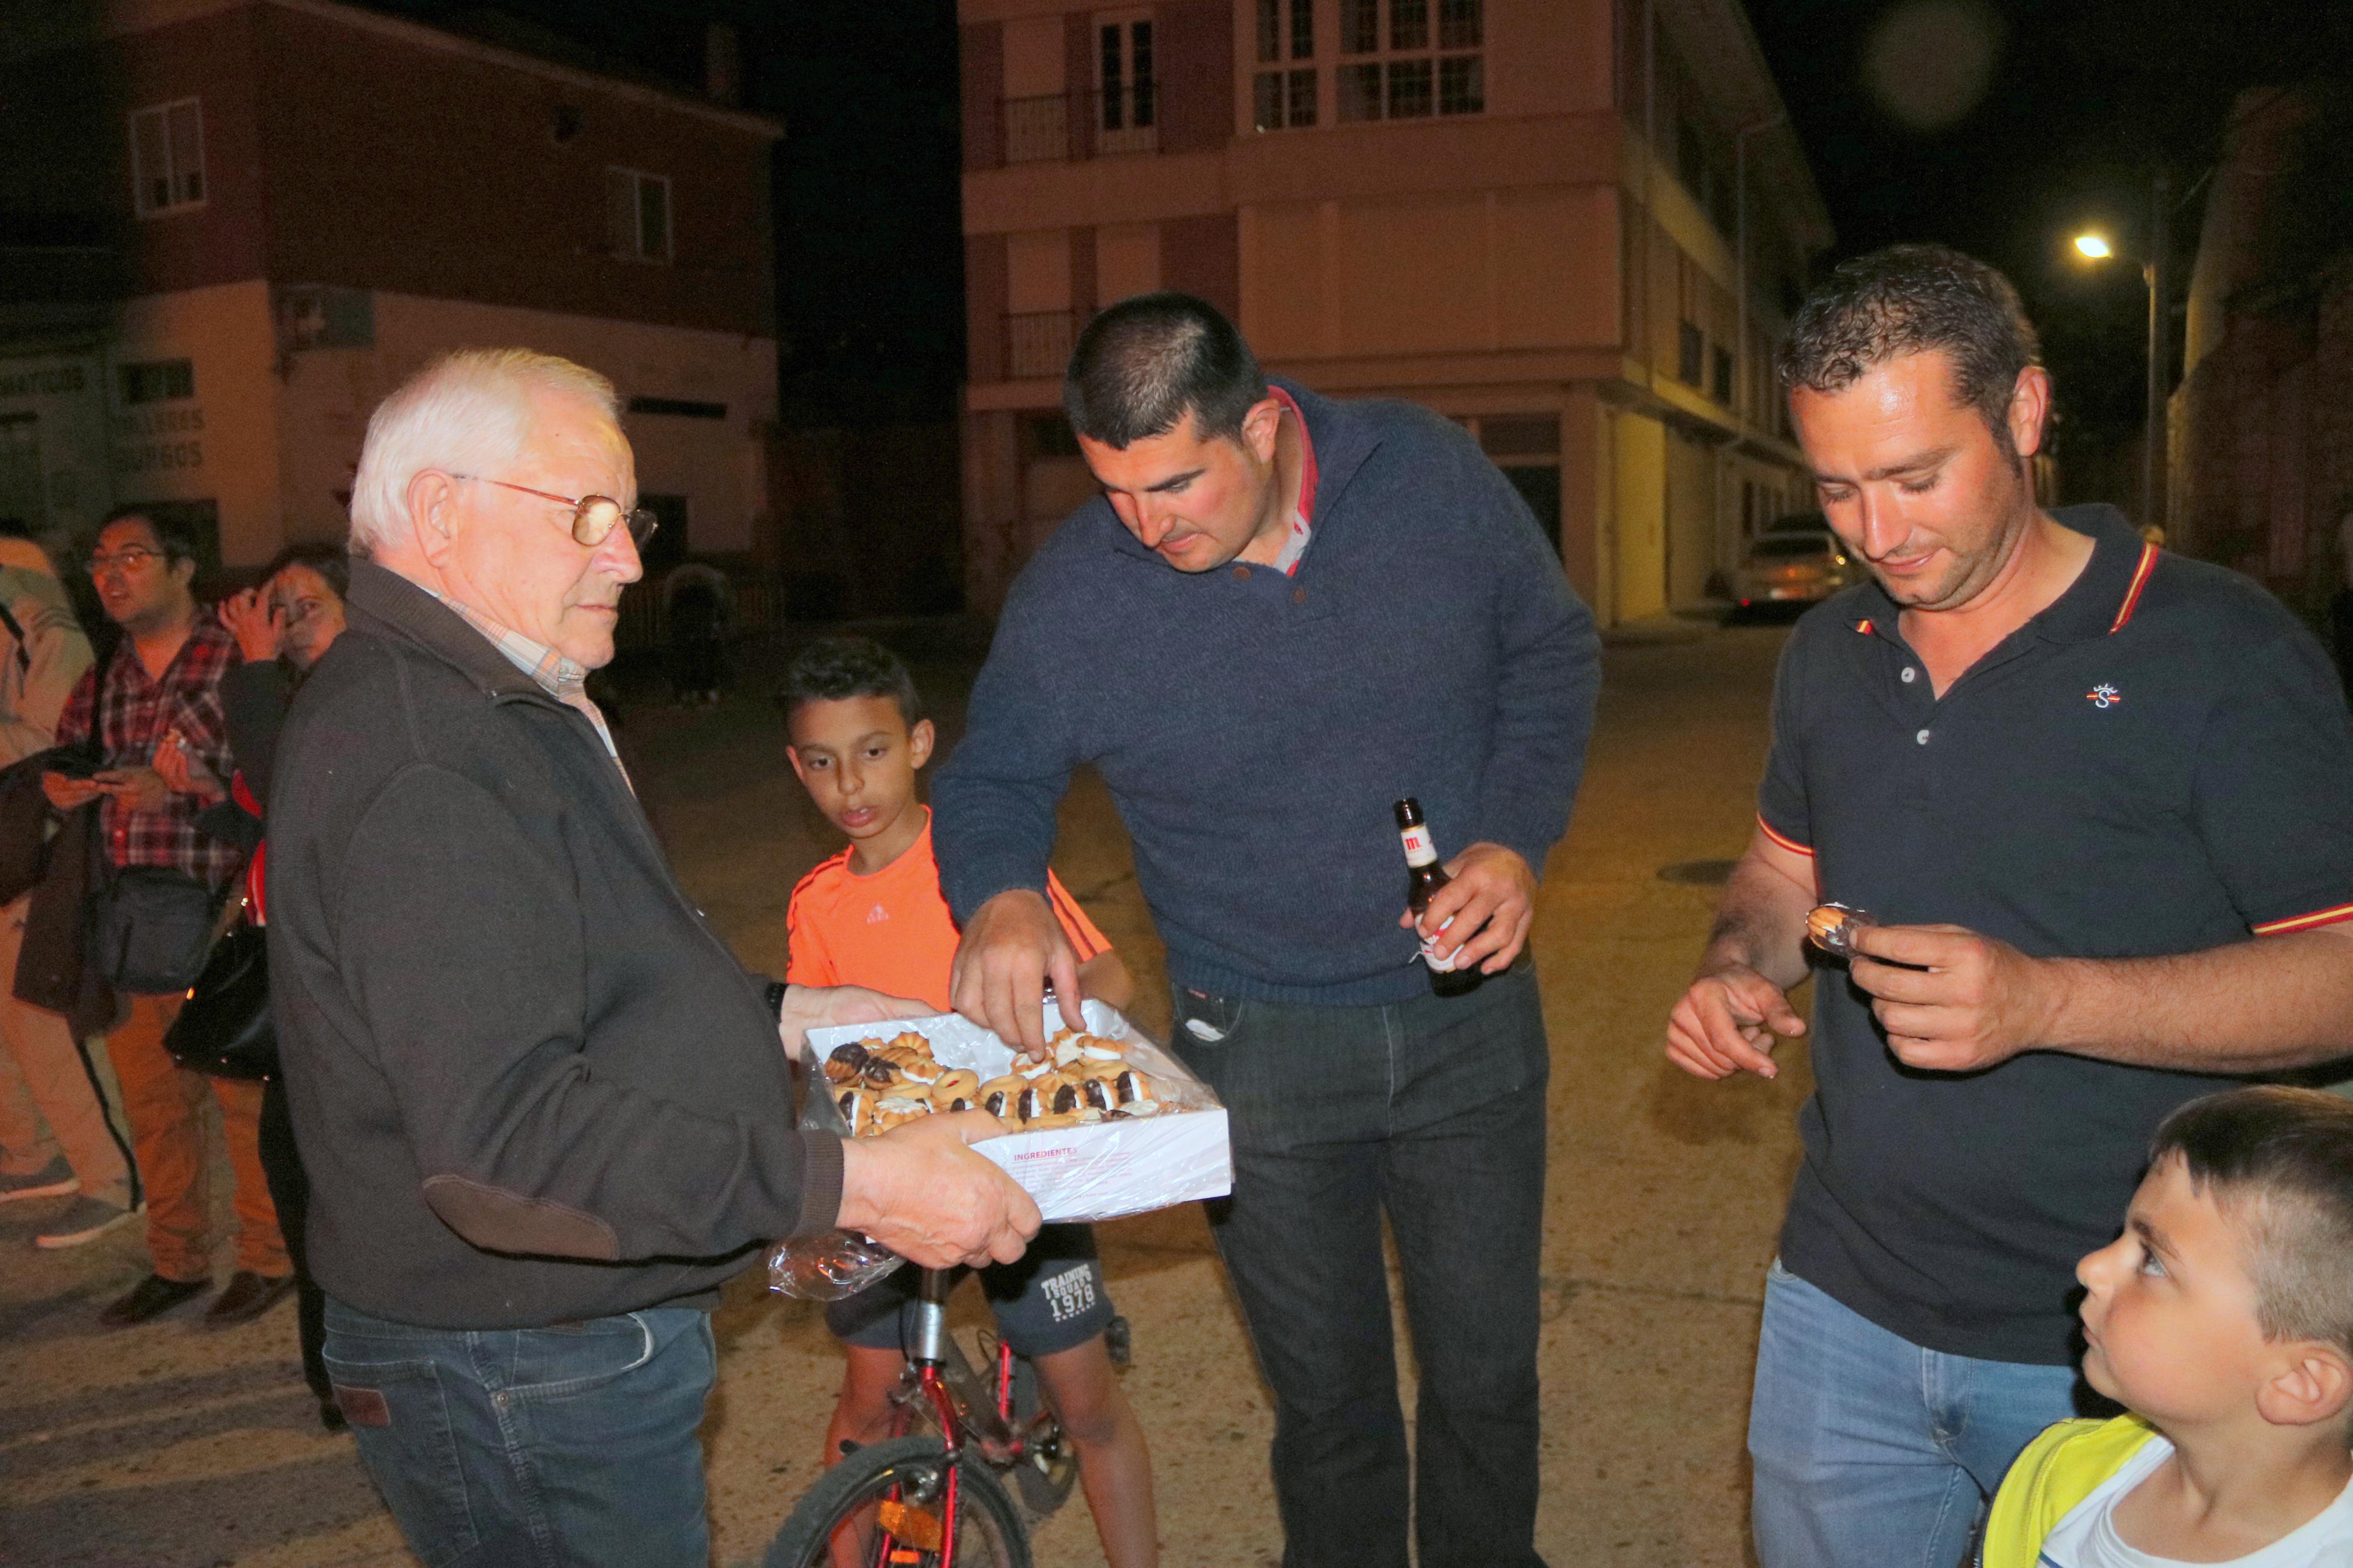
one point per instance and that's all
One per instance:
(892, 931)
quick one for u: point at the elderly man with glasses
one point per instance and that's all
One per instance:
(545, 1111)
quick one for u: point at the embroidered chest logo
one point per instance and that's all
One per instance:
(2104, 696)
(876, 915)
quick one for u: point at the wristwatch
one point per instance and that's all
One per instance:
(776, 989)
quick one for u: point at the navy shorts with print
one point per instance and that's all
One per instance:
(1049, 1299)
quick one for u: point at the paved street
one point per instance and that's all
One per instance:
(167, 1447)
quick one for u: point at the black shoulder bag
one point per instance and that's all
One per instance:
(225, 1030)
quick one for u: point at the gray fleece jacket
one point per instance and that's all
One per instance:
(530, 1083)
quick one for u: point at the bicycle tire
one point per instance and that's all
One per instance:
(988, 1531)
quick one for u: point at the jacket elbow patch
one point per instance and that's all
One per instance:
(497, 1220)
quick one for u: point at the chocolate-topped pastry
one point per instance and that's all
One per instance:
(1130, 1085)
(1832, 927)
(1099, 1093)
(843, 1066)
(878, 1072)
(1065, 1098)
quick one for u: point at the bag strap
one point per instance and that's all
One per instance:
(16, 630)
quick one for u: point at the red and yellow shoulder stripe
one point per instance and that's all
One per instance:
(1783, 839)
(2311, 921)
(2149, 554)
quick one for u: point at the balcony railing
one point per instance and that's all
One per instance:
(1038, 343)
(1061, 126)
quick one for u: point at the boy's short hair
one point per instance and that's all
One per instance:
(834, 669)
(2279, 1163)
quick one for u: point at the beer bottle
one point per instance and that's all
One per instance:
(1424, 877)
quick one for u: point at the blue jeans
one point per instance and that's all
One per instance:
(564, 1446)
(1430, 1114)
(1870, 1452)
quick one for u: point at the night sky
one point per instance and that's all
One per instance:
(1999, 126)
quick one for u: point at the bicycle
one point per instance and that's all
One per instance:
(933, 1498)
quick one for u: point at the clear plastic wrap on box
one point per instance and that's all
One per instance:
(1098, 1171)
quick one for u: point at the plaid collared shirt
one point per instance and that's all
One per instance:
(129, 712)
(559, 678)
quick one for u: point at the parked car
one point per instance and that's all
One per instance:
(1795, 561)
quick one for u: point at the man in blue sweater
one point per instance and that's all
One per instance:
(1284, 614)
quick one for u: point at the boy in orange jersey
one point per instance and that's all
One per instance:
(873, 915)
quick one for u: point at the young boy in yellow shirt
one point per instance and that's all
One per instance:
(874, 916)
(2222, 1319)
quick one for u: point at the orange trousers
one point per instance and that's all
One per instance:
(165, 1104)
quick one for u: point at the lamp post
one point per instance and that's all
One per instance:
(2094, 247)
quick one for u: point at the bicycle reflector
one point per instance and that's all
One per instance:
(912, 1525)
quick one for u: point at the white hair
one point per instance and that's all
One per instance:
(470, 412)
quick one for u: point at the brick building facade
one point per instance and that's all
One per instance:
(240, 223)
(1576, 225)
(2260, 432)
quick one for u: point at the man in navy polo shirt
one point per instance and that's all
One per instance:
(2098, 796)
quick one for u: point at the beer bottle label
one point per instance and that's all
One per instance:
(1419, 849)
(1440, 958)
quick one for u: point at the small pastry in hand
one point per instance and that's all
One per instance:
(844, 1065)
(857, 1109)
(1832, 927)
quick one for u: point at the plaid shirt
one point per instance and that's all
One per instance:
(131, 713)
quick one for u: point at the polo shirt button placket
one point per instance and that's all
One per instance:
(1922, 737)
(1910, 674)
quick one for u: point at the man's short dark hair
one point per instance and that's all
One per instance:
(1913, 298)
(174, 538)
(1145, 364)
(2279, 1163)
(835, 669)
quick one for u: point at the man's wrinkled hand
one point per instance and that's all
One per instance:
(1490, 895)
(1013, 947)
(1953, 1001)
(920, 1191)
(1725, 1024)
(808, 1007)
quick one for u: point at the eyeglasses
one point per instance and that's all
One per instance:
(594, 518)
(126, 562)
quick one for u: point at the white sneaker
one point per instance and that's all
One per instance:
(54, 1180)
(85, 1219)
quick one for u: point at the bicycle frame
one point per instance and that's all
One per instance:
(939, 1376)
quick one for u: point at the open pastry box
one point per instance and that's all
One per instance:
(1125, 1163)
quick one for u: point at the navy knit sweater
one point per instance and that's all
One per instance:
(1254, 727)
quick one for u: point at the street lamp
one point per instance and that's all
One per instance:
(2093, 245)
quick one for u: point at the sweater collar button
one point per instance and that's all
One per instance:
(1241, 573)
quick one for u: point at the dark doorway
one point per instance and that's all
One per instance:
(1540, 488)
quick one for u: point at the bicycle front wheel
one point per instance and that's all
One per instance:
(887, 1504)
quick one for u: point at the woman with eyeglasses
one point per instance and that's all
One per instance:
(282, 626)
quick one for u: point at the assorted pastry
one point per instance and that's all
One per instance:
(879, 1084)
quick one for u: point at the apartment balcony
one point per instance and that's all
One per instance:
(1038, 343)
(1063, 126)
